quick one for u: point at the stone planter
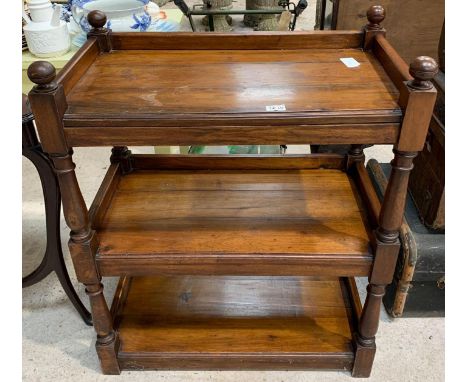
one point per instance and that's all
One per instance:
(262, 22)
(222, 23)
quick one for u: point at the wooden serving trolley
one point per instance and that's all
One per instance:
(235, 262)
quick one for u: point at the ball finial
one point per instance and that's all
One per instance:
(375, 15)
(97, 19)
(42, 73)
(423, 69)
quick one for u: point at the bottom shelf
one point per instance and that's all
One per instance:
(235, 322)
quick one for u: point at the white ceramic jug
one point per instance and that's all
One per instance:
(40, 10)
(47, 38)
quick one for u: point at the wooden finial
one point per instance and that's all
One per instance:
(375, 15)
(423, 69)
(97, 19)
(42, 73)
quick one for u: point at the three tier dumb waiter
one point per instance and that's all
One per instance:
(235, 262)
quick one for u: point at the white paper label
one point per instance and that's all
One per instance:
(275, 108)
(350, 62)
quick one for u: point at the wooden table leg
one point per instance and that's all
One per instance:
(53, 260)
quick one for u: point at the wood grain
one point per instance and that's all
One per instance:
(151, 84)
(416, 121)
(235, 322)
(412, 27)
(368, 194)
(395, 66)
(256, 220)
(78, 65)
(105, 193)
(231, 119)
(237, 162)
(427, 180)
(231, 41)
(383, 133)
(205, 218)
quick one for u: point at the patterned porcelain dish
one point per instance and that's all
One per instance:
(122, 15)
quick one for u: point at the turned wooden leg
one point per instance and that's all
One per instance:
(122, 155)
(107, 342)
(355, 154)
(83, 247)
(48, 103)
(53, 256)
(386, 247)
(368, 325)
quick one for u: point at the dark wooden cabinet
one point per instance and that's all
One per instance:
(235, 262)
(427, 180)
(413, 26)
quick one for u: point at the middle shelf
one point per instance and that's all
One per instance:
(231, 221)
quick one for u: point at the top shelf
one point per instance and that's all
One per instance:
(163, 85)
(217, 89)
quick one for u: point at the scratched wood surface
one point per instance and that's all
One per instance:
(206, 218)
(231, 322)
(155, 84)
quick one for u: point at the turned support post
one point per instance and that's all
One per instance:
(97, 20)
(418, 102)
(123, 156)
(48, 104)
(393, 206)
(355, 154)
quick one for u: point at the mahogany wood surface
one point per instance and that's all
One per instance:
(368, 193)
(395, 66)
(237, 162)
(240, 221)
(53, 260)
(78, 65)
(149, 86)
(105, 193)
(48, 103)
(233, 41)
(234, 322)
(233, 135)
(212, 218)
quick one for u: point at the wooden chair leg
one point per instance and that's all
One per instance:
(107, 342)
(386, 247)
(53, 260)
(83, 247)
(53, 256)
(364, 339)
(368, 325)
